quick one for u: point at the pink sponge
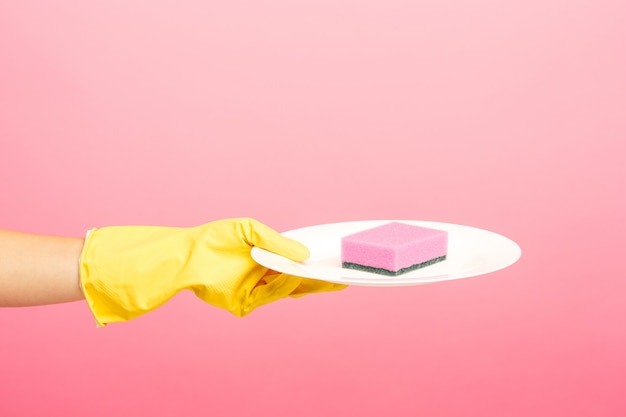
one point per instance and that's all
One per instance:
(394, 248)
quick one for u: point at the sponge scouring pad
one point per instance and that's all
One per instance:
(393, 248)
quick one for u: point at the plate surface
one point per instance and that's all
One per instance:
(471, 252)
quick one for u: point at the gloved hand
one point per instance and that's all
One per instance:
(127, 271)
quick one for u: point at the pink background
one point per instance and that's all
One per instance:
(504, 115)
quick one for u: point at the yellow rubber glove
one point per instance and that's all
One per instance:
(127, 271)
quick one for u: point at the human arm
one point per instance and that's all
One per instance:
(38, 269)
(126, 271)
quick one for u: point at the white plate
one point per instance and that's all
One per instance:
(471, 252)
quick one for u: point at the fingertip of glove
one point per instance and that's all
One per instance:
(263, 236)
(300, 252)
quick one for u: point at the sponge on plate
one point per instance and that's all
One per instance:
(394, 248)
